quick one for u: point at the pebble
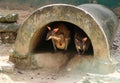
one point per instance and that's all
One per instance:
(7, 66)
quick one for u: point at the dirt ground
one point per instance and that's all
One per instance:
(48, 76)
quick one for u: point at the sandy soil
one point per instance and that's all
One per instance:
(48, 76)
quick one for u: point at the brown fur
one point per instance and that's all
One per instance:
(82, 43)
(60, 36)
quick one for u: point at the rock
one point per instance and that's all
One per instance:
(10, 18)
(117, 11)
(9, 27)
(20, 72)
(86, 81)
(7, 67)
(2, 18)
(8, 37)
(8, 32)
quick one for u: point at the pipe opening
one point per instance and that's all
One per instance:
(41, 45)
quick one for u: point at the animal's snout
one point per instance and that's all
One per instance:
(48, 37)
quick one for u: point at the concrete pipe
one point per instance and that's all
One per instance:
(96, 21)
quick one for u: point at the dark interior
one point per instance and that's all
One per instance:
(46, 46)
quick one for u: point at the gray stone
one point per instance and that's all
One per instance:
(10, 18)
(9, 27)
(7, 67)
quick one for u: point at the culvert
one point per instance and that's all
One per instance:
(95, 21)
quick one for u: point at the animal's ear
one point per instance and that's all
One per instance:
(76, 35)
(84, 39)
(49, 28)
(55, 30)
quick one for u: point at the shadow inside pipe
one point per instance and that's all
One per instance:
(42, 45)
(45, 55)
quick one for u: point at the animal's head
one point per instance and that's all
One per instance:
(51, 33)
(80, 42)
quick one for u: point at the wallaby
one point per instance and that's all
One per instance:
(60, 36)
(82, 43)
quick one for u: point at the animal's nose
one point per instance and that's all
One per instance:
(48, 37)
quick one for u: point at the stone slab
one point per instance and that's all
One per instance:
(7, 67)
